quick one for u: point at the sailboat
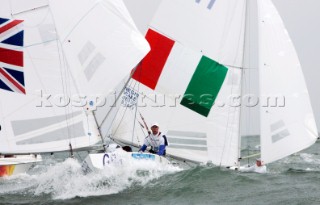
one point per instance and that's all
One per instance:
(192, 79)
(57, 59)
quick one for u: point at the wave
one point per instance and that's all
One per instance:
(65, 180)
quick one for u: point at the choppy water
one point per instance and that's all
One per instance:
(293, 180)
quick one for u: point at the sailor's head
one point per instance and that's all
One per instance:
(258, 162)
(155, 124)
(155, 128)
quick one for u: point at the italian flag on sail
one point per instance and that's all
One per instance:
(172, 68)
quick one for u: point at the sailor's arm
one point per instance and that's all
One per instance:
(145, 145)
(143, 148)
(161, 150)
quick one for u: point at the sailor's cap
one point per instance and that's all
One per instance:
(155, 124)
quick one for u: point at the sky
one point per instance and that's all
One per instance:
(302, 20)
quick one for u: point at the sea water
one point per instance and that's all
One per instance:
(60, 180)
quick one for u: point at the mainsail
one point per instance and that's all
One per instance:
(65, 54)
(190, 83)
(188, 77)
(290, 128)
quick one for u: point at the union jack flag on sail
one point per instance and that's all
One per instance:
(11, 55)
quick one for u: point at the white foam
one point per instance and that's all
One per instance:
(310, 158)
(66, 179)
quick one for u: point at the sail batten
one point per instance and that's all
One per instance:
(188, 31)
(67, 58)
(190, 93)
(284, 128)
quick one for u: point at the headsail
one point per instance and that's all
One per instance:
(195, 65)
(289, 125)
(66, 51)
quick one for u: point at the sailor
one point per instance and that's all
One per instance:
(259, 167)
(156, 140)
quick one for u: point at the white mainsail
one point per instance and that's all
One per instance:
(213, 34)
(289, 126)
(72, 51)
(187, 30)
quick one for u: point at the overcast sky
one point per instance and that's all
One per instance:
(302, 20)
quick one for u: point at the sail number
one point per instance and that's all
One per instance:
(211, 2)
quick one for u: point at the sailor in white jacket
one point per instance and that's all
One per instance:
(156, 140)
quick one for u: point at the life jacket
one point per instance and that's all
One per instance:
(165, 139)
(165, 142)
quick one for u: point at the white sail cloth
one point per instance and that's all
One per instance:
(215, 29)
(71, 51)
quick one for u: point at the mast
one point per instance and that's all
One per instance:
(242, 79)
(37, 123)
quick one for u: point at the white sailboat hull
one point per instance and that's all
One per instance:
(119, 157)
(17, 164)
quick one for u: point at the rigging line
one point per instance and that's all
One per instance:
(138, 140)
(144, 134)
(130, 85)
(69, 92)
(99, 130)
(247, 82)
(249, 89)
(117, 98)
(134, 122)
(28, 10)
(63, 67)
(115, 116)
(138, 90)
(117, 127)
(62, 61)
(227, 125)
(44, 18)
(247, 21)
(41, 43)
(68, 109)
(135, 116)
(69, 79)
(38, 76)
(240, 67)
(232, 89)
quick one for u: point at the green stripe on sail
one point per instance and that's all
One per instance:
(204, 86)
